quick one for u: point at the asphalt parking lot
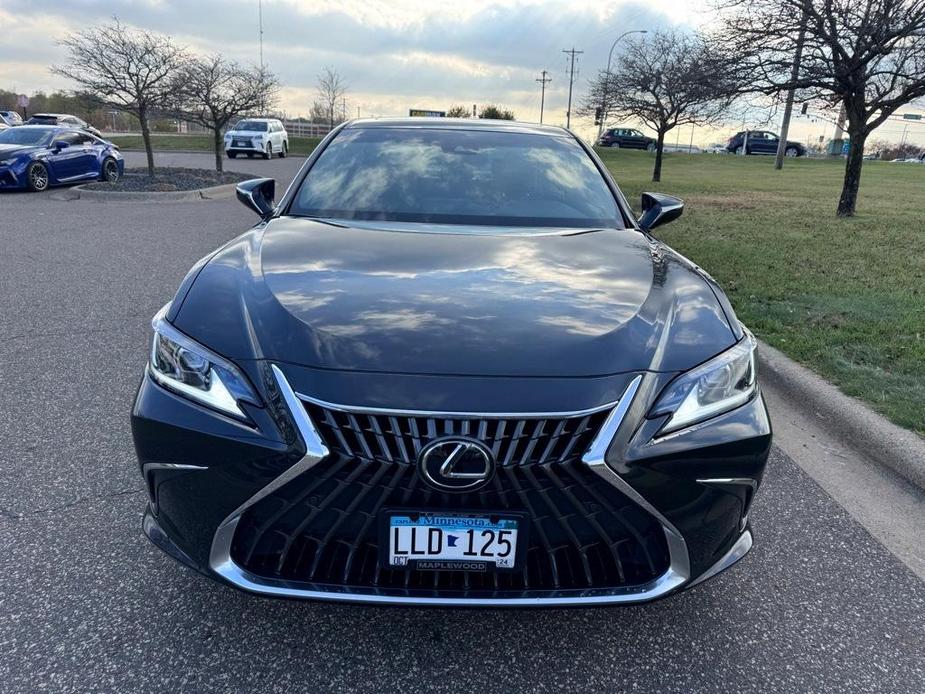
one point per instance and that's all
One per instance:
(87, 604)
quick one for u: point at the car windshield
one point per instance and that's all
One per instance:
(25, 136)
(252, 125)
(449, 176)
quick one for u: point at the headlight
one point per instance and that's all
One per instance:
(720, 385)
(186, 367)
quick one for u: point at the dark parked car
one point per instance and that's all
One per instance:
(35, 157)
(451, 367)
(763, 142)
(10, 118)
(627, 138)
(64, 120)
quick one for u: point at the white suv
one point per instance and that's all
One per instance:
(265, 136)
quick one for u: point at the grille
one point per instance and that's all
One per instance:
(399, 438)
(322, 528)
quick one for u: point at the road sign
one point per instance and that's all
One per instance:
(423, 113)
(22, 101)
(912, 116)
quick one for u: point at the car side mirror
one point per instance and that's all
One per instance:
(61, 144)
(257, 194)
(658, 209)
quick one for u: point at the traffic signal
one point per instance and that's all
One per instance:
(597, 115)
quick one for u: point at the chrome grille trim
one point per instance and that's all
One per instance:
(445, 414)
(678, 573)
(395, 437)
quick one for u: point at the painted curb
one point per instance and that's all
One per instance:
(861, 428)
(225, 190)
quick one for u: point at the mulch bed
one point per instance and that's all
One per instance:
(168, 180)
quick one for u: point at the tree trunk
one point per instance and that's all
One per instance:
(659, 146)
(849, 192)
(146, 138)
(217, 140)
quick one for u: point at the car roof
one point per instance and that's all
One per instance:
(51, 128)
(265, 120)
(459, 124)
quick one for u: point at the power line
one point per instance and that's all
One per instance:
(571, 80)
(543, 80)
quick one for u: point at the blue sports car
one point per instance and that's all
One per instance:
(38, 156)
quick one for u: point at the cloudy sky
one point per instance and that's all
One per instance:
(394, 55)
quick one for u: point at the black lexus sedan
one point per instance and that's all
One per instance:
(450, 366)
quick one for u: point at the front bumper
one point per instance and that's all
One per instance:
(10, 178)
(213, 481)
(244, 146)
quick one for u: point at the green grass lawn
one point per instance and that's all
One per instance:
(845, 297)
(297, 145)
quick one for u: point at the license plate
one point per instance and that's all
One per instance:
(434, 541)
(240, 143)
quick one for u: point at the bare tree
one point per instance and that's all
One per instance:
(865, 55)
(213, 91)
(128, 69)
(331, 90)
(492, 111)
(664, 79)
(458, 111)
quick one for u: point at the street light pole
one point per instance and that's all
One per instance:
(600, 126)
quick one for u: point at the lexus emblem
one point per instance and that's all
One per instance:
(456, 464)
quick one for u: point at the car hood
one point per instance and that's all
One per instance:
(507, 304)
(247, 133)
(10, 150)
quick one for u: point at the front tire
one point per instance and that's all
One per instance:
(739, 150)
(269, 152)
(650, 147)
(284, 151)
(110, 171)
(37, 177)
(232, 155)
(791, 152)
(614, 145)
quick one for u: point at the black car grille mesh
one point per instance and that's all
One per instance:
(323, 527)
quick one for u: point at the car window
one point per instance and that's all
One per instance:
(634, 133)
(71, 138)
(252, 125)
(448, 176)
(85, 139)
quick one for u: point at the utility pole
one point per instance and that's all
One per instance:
(260, 23)
(571, 80)
(543, 81)
(788, 107)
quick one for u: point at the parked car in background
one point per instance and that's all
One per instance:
(10, 118)
(717, 148)
(627, 138)
(63, 119)
(264, 136)
(35, 157)
(763, 142)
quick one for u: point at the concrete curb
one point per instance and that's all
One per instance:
(197, 151)
(214, 193)
(856, 424)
